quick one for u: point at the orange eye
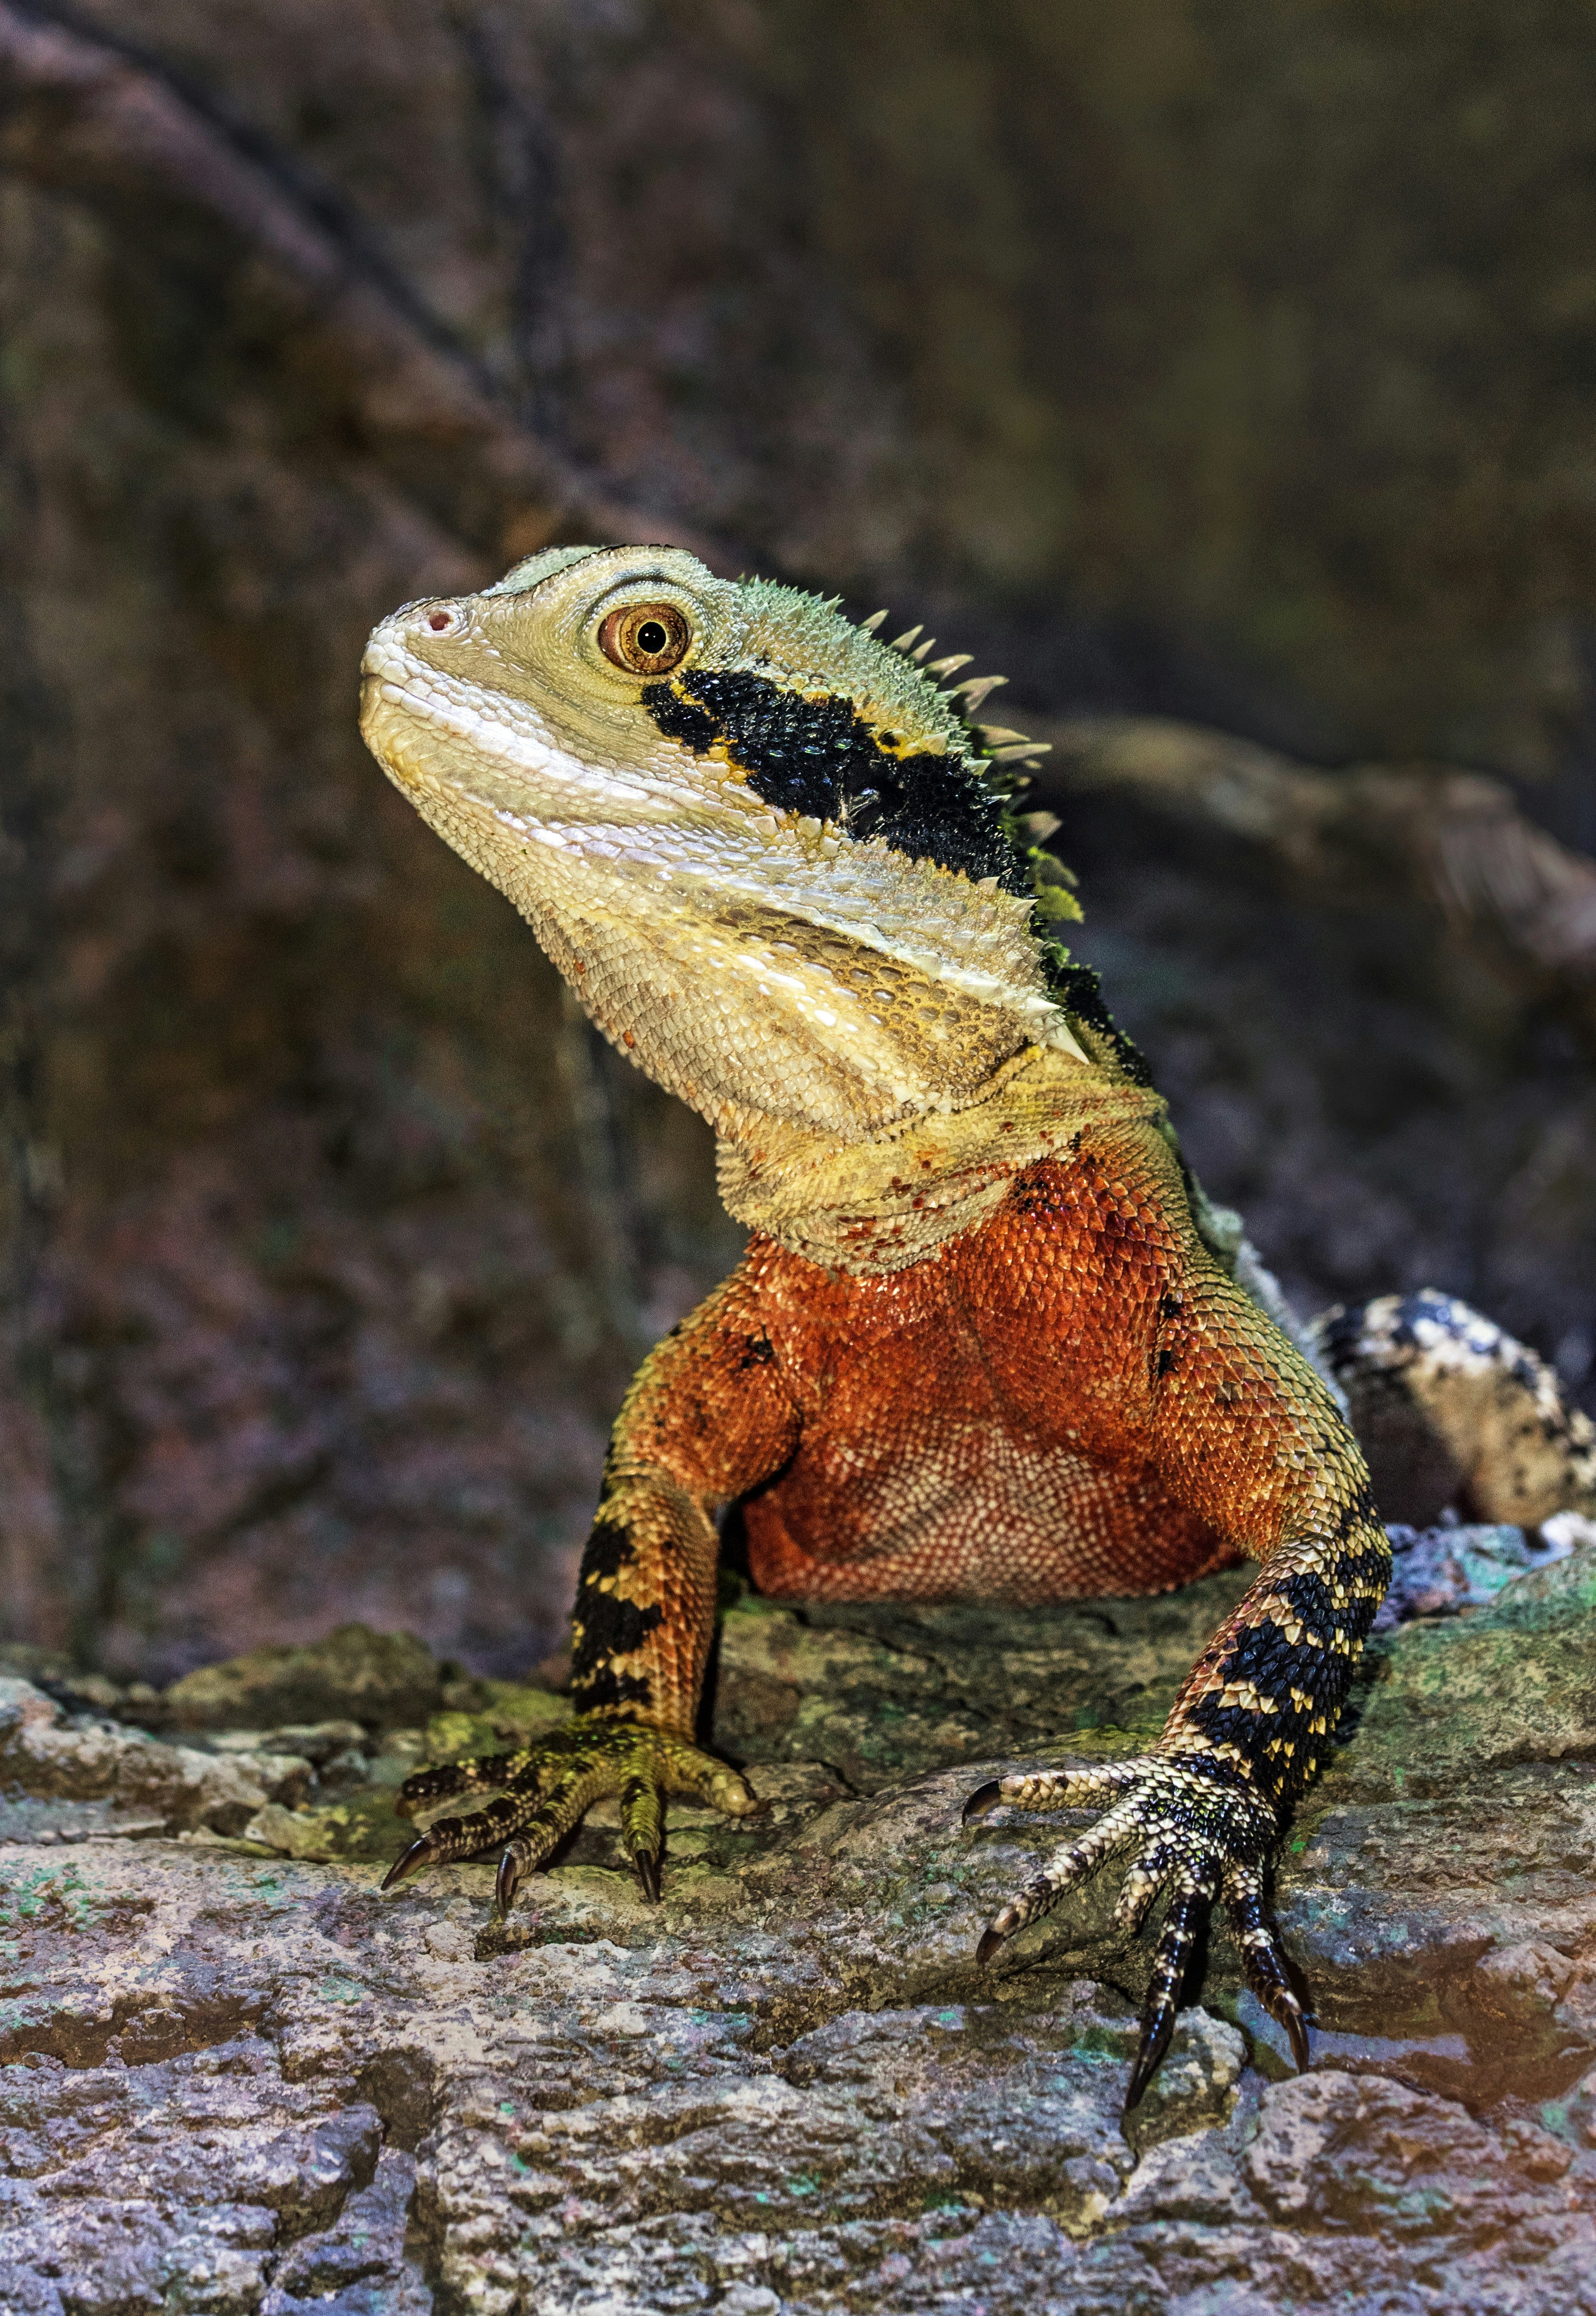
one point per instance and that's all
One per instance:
(645, 638)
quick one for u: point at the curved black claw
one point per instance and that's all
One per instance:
(984, 1798)
(1289, 2015)
(990, 1942)
(1158, 2024)
(1189, 1910)
(507, 1880)
(419, 1852)
(647, 1869)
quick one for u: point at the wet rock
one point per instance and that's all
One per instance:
(238, 2077)
(378, 1680)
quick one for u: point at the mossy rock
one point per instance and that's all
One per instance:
(383, 1679)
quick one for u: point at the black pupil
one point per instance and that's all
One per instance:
(652, 637)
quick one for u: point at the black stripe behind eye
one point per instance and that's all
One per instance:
(818, 758)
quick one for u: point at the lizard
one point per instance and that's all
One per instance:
(988, 1340)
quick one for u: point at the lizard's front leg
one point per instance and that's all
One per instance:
(1243, 1432)
(1201, 1812)
(705, 1419)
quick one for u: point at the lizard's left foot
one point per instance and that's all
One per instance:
(546, 1788)
(1192, 1831)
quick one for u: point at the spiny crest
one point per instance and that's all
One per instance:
(813, 648)
(997, 753)
(1001, 757)
(996, 742)
(905, 703)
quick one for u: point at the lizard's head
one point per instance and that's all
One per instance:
(763, 846)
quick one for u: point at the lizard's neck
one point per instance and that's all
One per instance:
(753, 1015)
(879, 1203)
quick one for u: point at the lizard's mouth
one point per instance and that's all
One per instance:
(425, 732)
(372, 719)
(435, 741)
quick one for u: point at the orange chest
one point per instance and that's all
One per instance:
(1044, 1320)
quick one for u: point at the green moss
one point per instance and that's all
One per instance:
(509, 1714)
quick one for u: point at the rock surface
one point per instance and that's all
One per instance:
(237, 2078)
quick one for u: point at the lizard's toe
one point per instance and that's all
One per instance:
(1142, 1884)
(684, 1770)
(1289, 2011)
(642, 1833)
(1063, 1871)
(1048, 1789)
(990, 1940)
(544, 1789)
(487, 1773)
(518, 1854)
(1156, 2030)
(1262, 1959)
(1189, 1910)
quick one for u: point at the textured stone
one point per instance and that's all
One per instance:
(377, 1679)
(52, 1757)
(242, 2081)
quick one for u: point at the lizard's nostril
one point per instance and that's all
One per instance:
(440, 620)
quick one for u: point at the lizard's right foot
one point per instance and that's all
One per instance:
(545, 1789)
(1189, 1833)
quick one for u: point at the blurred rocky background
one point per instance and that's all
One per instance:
(1224, 370)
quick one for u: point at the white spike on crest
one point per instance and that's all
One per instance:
(1027, 751)
(918, 655)
(870, 625)
(951, 665)
(997, 735)
(901, 643)
(976, 691)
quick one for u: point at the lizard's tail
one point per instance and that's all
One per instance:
(1450, 1411)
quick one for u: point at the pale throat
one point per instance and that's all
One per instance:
(710, 976)
(757, 1020)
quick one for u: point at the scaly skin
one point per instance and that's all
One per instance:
(978, 1347)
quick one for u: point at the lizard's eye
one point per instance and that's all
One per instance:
(645, 638)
